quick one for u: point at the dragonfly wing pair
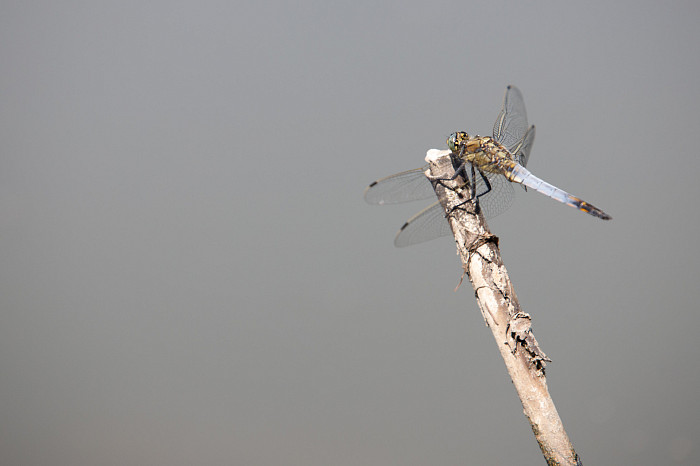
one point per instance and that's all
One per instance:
(511, 128)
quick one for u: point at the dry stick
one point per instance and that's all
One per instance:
(482, 263)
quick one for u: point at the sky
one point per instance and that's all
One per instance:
(190, 274)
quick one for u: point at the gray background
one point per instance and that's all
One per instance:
(191, 276)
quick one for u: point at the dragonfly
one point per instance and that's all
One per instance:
(495, 163)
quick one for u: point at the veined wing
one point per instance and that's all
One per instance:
(499, 199)
(430, 223)
(511, 125)
(411, 185)
(521, 151)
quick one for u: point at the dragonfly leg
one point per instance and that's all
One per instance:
(472, 185)
(477, 196)
(472, 190)
(462, 168)
(486, 182)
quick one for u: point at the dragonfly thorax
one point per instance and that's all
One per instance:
(456, 140)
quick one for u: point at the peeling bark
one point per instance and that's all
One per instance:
(511, 327)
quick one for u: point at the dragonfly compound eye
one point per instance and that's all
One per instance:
(456, 140)
(452, 142)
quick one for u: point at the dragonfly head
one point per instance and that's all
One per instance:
(455, 141)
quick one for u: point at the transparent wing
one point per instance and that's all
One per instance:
(411, 185)
(429, 223)
(521, 151)
(499, 199)
(511, 124)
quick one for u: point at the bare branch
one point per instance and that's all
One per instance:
(510, 326)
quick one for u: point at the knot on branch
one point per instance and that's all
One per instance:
(519, 331)
(480, 240)
(472, 248)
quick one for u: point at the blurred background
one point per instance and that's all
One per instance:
(190, 274)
